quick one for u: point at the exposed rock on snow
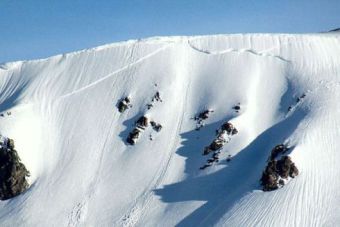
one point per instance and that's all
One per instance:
(142, 122)
(140, 125)
(157, 127)
(134, 136)
(227, 128)
(13, 172)
(201, 117)
(155, 98)
(237, 107)
(298, 101)
(223, 136)
(286, 168)
(124, 104)
(279, 149)
(277, 171)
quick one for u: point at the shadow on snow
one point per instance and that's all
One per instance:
(223, 188)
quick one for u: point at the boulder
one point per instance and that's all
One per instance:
(13, 173)
(133, 136)
(157, 97)
(206, 150)
(278, 149)
(142, 122)
(229, 128)
(216, 144)
(237, 107)
(157, 127)
(203, 115)
(276, 171)
(124, 104)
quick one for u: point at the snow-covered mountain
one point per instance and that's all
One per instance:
(62, 114)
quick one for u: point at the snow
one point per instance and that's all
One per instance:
(70, 135)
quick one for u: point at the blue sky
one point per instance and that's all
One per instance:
(31, 29)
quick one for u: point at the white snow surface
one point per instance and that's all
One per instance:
(70, 135)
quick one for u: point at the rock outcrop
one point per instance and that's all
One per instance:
(13, 172)
(223, 136)
(278, 171)
(201, 117)
(124, 104)
(155, 126)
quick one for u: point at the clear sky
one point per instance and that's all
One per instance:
(32, 29)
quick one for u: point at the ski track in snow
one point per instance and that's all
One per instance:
(143, 202)
(116, 72)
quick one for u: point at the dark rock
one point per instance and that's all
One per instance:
(269, 179)
(276, 171)
(279, 149)
(293, 172)
(216, 144)
(229, 128)
(142, 122)
(237, 107)
(157, 127)
(234, 131)
(13, 173)
(301, 97)
(149, 106)
(206, 150)
(215, 155)
(211, 160)
(133, 136)
(157, 97)
(283, 166)
(203, 115)
(281, 182)
(205, 166)
(124, 104)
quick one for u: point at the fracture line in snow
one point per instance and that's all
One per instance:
(230, 50)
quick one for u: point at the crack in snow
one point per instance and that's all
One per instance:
(232, 50)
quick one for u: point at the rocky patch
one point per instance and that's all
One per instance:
(140, 126)
(237, 107)
(124, 104)
(223, 136)
(298, 101)
(155, 98)
(278, 171)
(13, 172)
(155, 126)
(201, 117)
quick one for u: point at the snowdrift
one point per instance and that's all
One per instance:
(72, 138)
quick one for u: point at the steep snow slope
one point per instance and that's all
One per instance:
(71, 137)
